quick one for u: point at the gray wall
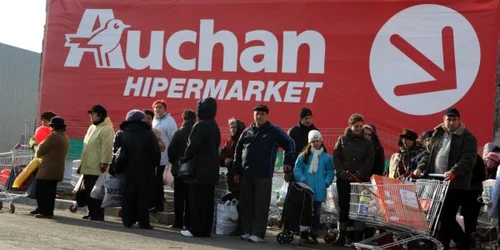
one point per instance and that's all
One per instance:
(19, 81)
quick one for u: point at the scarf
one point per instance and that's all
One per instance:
(313, 168)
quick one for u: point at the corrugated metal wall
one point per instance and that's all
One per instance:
(19, 84)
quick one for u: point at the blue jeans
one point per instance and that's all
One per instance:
(316, 218)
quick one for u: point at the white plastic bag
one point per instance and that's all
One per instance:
(282, 194)
(113, 194)
(331, 203)
(168, 178)
(98, 189)
(227, 218)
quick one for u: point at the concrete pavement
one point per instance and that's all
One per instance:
(68, 231)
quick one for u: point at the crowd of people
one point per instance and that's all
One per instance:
(149, 142)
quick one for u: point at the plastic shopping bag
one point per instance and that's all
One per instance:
(227, 218)
(495, 199)
(281, 193)
(113, 194)
(168, 178)
(98, 189)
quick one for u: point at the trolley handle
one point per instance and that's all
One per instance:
(355, 178)
(437, 176)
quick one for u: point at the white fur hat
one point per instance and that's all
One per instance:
(314, 135)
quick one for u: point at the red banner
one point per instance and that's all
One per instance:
(399, 63)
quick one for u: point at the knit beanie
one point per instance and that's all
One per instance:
(314, 135)
(493, 156)
(135, 115)
(304, 112)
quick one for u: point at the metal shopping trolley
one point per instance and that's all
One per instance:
(409, 211)
(486, 233)
(11, 165)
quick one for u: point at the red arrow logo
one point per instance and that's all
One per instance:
(444, 79)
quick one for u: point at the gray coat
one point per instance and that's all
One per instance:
(461, 159)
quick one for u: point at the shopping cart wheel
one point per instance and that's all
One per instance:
(12, 208)
(73, 208)
(330, 237)
(281, 238)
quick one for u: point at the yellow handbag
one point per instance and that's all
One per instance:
(25, 175)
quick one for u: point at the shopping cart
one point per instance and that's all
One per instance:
(409, 211)
(486, 233)
(11, 164)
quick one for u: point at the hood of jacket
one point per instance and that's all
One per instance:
(207, 109)
(106, 122)
(134, 126)
(239, 129)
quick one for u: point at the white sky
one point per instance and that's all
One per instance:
(22, 23)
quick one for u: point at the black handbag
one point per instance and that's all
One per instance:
(119, 162)
(186, 170)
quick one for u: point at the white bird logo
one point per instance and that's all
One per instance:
(104, 39)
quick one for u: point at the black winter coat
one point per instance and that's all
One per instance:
(353, 153)
(299, 134)
(461, 158)
(140, 145)
(479, 174)
(203, 144)
(178, 145)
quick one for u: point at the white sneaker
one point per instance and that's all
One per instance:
(245, 236)
(186, 233)
(255, 239)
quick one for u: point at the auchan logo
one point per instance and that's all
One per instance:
(104, 43)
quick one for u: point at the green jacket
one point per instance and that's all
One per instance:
(461, 159)
(97, 147)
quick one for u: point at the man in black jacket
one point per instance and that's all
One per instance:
(299, 135)
(181, 188)
(452, 152)
(203, 151)
(254, 166)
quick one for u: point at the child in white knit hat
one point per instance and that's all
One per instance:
(314, 167)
